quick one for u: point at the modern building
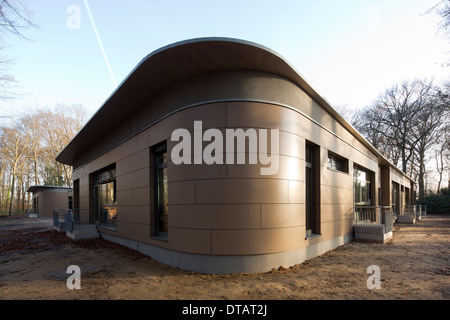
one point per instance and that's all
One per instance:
(48, 198)
(157, 169)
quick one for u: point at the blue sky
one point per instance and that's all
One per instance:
(349, 51)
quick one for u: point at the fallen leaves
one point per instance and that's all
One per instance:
(30, 240)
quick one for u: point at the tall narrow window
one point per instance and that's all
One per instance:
(161, 189)
(35, 205)
(76, 194)
(312, 213)
(395, 198)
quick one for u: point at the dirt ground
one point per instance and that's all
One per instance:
(34, 260)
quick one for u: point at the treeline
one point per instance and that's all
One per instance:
(29, 144)
(410, 125)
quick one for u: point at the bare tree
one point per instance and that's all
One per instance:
(28, 148)
(16, 148)
(15, 18)
(404, 123)
(442, 157)
(443, 9)
(391, 117)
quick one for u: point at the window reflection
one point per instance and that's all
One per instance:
(105, 205)
(162, 218)
(361, 186)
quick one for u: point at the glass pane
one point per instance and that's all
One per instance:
(308, 154)
(309, 200)
(338, 163)
(105, 204)
(162, 192)
(361, 186)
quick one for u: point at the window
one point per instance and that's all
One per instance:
(35, 205)
(337, 163)
(104, 192)
(312, 191)
(361, 186)
(161, 190)
(76, 194)
(395, 197)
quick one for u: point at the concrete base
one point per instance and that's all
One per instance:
(83, 231)
(60, 227)
(217, 264)
(33, 215)
(406, 218)
(373, 233)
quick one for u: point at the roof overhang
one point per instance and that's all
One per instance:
(34, 189)
(167, 65)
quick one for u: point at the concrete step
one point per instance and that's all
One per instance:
(406, 218)
(83, 231)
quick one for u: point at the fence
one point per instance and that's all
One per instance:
(64, 219)
(374, 223)
(417, 211)
(59, 219)
(369, 214)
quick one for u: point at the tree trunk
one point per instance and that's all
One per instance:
(12, 191)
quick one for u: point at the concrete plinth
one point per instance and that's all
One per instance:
(406, 218)
(83, 231)
(373, 233)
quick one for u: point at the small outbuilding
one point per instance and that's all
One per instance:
(215, 155)
(46, 199)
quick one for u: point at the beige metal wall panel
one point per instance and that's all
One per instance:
(216, 216)
(296, 193)
(190, 240)
(127, 214)
(257, 241)
(263, 115)
(142, 140)
(290, 168)
(182, 192)
(242, 191)
(136, 197)
(333, 229)
(189, 172)
(143, 214)
(283, 215)
(49, 201)
(133, 162)
(336, 211)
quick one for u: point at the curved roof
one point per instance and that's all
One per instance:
(34, 189)
(171, 63)
(167, 65)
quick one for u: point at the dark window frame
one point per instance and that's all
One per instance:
(159, 158)
(337, 163)
(312, 190)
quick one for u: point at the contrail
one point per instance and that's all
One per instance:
(100, 43)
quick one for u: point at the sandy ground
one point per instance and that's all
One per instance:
(34, 260)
